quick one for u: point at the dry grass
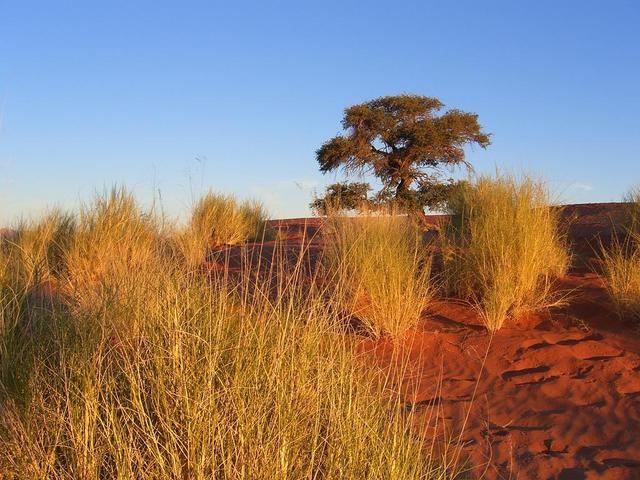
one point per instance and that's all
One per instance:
(632, 223)
(165, 374)
(221, 220)
(621, 262)
(115, 240)
(31, 260)
(33, 252)
(504, 248)
(382, 270)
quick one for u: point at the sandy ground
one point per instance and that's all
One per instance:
(557, 396)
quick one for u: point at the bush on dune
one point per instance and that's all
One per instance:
(504, 248)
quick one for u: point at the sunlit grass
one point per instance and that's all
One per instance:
(621, 261)
(632, 213)
(382, 269)
(218, 220)
(142, 368)
(504, 248)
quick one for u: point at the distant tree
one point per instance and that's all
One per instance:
(436, 195)
(404, 142)
(342, 196)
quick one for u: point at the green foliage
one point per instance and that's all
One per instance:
(346, 196)
(432, 193)
(404, 142)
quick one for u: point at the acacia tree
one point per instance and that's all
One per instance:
(405, 142)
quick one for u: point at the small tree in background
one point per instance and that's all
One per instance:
(404, 142)
(342, 196)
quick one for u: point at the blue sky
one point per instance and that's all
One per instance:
(180, 97)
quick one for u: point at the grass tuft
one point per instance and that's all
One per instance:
(33, 252)
(504, 248)
(382, 269)
(115, 240)
(218, 220)
(632, 213)
(621, 262)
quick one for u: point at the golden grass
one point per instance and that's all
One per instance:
(632, 221)
(33, 252)
(165, 374)
(382, 270)
(114, 241)
(621, 261)
(218, 219)
(31, 260)
(504, 248)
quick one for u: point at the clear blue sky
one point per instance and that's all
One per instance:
(236, 96)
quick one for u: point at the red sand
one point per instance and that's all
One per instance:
(557, 397)
(553, 396)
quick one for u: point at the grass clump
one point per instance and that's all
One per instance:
(382, 269)
(621, 261)
(504, 248)
(33, 252)
(114, 241)
(214, 381)
(621, 265)
(632, 213)
(31, 265)
(221, 220)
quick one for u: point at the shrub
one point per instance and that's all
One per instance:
(381, 270)
(343, 197)
(504, 248)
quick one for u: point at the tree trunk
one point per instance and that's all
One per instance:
(416, 214)
(403, 187)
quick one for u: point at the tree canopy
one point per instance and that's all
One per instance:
(405, 142)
